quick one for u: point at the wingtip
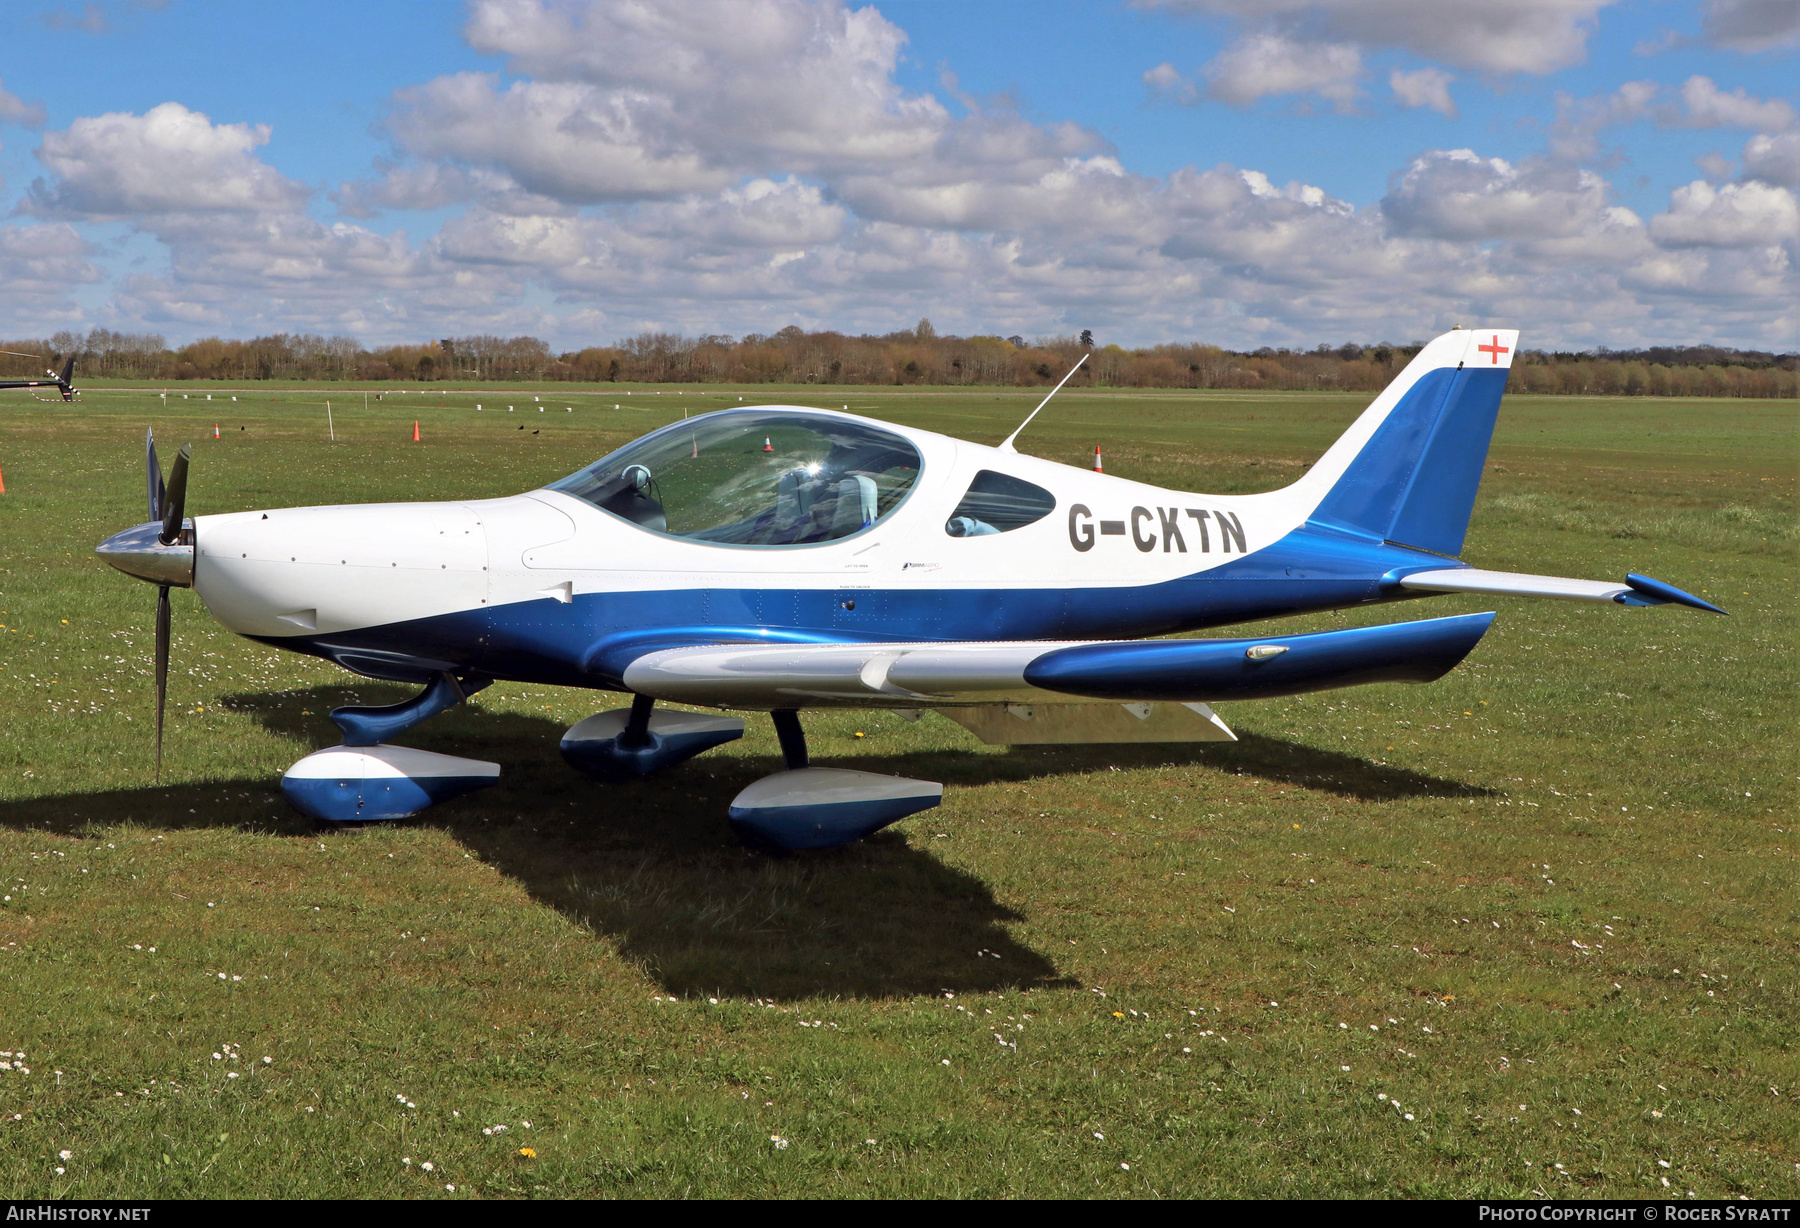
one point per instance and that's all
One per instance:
(1660, 591)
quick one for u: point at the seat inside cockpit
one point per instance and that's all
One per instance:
(754, 478)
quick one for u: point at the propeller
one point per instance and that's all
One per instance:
(167, 504)
(174, 496)
(153, 484)
(160, 551)
(162, 668)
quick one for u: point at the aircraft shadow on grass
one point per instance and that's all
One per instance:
(652, 864)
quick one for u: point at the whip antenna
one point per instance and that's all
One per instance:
(1006, 445)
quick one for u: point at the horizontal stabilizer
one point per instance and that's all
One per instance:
(1635, 591)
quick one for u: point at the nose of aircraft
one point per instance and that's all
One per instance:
(322, 570)
(139, 552)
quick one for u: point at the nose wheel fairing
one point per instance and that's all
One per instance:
(367, 779)
(345, 784)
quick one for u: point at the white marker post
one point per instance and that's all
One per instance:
(328, 423)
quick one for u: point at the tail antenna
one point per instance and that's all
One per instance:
(1006, 445)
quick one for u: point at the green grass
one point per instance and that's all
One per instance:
(1222, 957)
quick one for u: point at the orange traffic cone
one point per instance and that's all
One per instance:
(415, 430)
(2, 483)
(767, 446)
(1097, 468)
(215, 430)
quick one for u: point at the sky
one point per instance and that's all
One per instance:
(1242, 172)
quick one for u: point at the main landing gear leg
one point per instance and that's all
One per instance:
(630, 742)
(808, 808)
(366, 779)
(791, 737)
(637, 726)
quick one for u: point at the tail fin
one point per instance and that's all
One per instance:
(1407, 470)
(62, 381)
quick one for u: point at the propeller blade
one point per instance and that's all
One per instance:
(175, 498)
(162, 669)
(153, 478)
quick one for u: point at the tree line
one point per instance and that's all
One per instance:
(911, 356)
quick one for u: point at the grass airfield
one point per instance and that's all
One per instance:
(1530, 930)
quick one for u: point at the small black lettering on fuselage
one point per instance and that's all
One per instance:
(1148, 526)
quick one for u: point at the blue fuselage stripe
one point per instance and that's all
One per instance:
(554, 642)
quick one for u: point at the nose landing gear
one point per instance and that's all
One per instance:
(366, 779)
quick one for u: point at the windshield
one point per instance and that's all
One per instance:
(753, 478)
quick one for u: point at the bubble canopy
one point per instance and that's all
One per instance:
(747, 477)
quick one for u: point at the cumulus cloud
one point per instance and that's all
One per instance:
(40, 265)
(44, 256)
(630, 101)
(1774, 159)
(1715, 164)
(1424, 87)
(1266, 63)
(1699, 103)
(563, 140)
(1575, 135)
(1705, 105)
(428, 185)
(1752, 25)
(1166, 82)
(1735, 215)
(1522, 36)
(15, 110)
(1457, 194)
(242, 249)
(168, 159)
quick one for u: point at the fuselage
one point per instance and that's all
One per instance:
(537, 587)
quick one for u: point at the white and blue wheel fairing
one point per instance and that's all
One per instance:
(592, 745)
(814, 808)
(345, 784)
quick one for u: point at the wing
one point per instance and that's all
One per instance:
(1635, 591)
(1032, 673)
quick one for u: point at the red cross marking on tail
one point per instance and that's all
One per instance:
(1495, 348)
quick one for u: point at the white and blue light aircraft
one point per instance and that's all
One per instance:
(782, 559)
